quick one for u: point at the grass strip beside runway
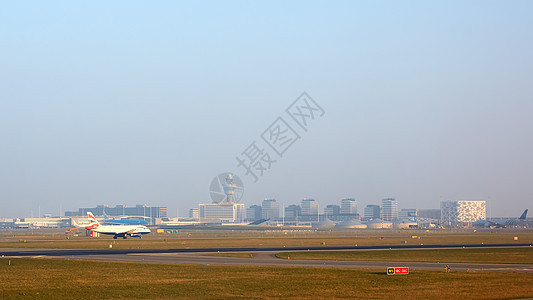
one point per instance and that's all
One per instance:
(70, 279)
(198, 239)
(484, 255)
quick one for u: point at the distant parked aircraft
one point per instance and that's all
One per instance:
(116, 230)
(502, 223)
(110, 221)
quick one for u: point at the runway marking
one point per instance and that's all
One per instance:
(263, 256)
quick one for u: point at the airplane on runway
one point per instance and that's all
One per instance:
(116, 230)
(502, 223)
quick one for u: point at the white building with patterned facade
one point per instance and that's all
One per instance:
(457, 213)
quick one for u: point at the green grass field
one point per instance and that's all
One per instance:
(70, 279)
(493, 255)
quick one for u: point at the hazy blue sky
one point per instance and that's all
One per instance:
(144, 102)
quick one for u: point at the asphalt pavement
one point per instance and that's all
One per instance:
(265, 256)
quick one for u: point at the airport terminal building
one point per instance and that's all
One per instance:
(152, 212)
(225, 212)
(121, 210)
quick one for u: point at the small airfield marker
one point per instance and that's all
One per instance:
(397, 270)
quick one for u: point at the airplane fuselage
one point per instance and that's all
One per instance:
(124, 222)
(120, 230)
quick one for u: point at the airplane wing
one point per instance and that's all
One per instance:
(128, 230)
(116, 231)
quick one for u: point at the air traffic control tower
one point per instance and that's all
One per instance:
(229, 188)
(226, 210)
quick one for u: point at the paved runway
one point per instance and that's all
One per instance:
(77, 252)
(265, 256)
(269, 259)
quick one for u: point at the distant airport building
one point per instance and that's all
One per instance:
(429, 214)
(378, 224)
(462, 213)
(254, 213)
(408, 213)
(292, 212)
(193, 213)
(389, 209)
(372, 212)
(225, 212)
(309, 209)
(270, 209)
(41, 222)
(153, 212)
(6, 223)
(405, 223)
(348, 206)
(332, 210)
(351, 224)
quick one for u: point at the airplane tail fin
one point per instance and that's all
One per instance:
(524, 215)
(92, 219)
